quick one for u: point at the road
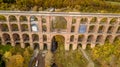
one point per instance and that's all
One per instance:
(36, 13)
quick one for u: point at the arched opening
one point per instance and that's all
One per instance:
(104, 21)
(117, 38)
(44, 37)
(4, 27)
(58, 43)
(90, 38)
(23, 19)
(83, 21)
(80, 38)
(43, 19)
(33, 19)
(71, 38)
(118, 30)
(12, 18)
(24, 27)
(110, 29)
(16, 37)
(73, 29)
(34, 27)
(17, 44)
(82, 28)
(25, 37)
(70, 46)
(73, 20)
(6, 37)
(8, 43)
(2, 18)
(108, 38)
(14, 27)
(36, 46)
(45, 46)
(54, 65)
(113, 21)
(35, 37)
(99, 38)
(27, 45)
(91, 29)
(58, 24)
(79, 46)
(44, 28)
(101, 29)
(88, 46)
(93, 20)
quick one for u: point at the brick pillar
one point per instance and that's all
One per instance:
(41, 41)
(29, 24)
(49, 39)
(21, 41)
(77, 25)
(40, 24)
(75, 42)
(67, 39)
(48, 23)
(69, 22)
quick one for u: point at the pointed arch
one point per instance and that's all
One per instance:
(23, 18)
(12, 18)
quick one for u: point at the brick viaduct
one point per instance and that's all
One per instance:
(16, 28)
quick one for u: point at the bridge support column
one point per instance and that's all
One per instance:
(49, 46)
(92, 45)
(67, 46)
(22, 45)
(83, 45)
(74, 46)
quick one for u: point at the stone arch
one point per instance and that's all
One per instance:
(25, 37)
(72, 38)
(90, 38)
(117, 38)
(2, 18)
(8, 43)
(58, 24)
(70, 46)
(93, 20)
(73, 20)
(44, 37)
(14, 27)
(92, 29)
(23, 18)
(104, 20)
(101, 29)
(118, 30)
(6, 37)
(99, 38)
(81, 38)
(79, 45)
(4, 27)
(43, 19)
(113, 21)
(36, 46)
(58, 41)
(45, 47)
(16, 37)
(35, 37)
(82, 28)
(110, 29)
(44, 28)
(73, 29)
(12, 18)
(27, 45)
(24, 27)
(17, 44)
(83, 20)
(33, 18)
(108, 38)
(34, 27)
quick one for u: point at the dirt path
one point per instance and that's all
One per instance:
(91, 63)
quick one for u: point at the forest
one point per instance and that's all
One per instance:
(101, 6)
